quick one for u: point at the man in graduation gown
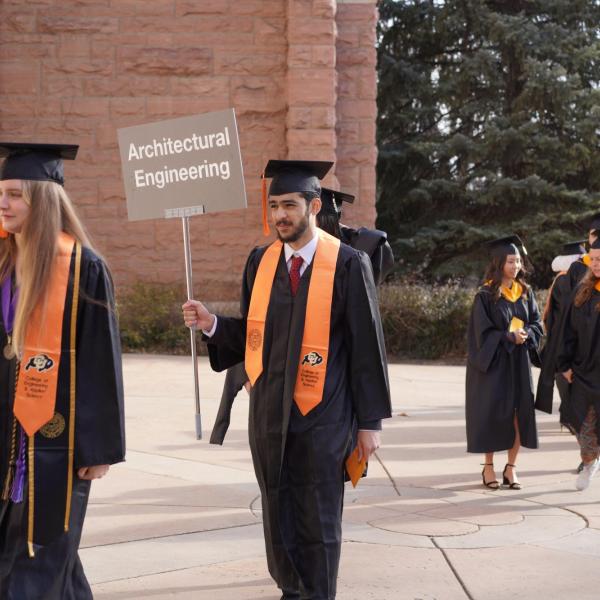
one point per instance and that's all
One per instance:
(371, 241)
(311, 337)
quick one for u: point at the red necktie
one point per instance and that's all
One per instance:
(295, 273)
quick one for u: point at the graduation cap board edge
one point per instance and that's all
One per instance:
(332, 200)
(34, 161)
(291, 176)
(506, 245)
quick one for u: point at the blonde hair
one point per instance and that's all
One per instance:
(51, 211)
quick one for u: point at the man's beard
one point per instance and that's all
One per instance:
(296, 233)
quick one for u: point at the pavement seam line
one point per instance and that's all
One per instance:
(431, 538)
(200, 566)
(389, 475)
(192, 460)
(462, 584)
(160, 537)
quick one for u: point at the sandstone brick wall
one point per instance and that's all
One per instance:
(300, 74)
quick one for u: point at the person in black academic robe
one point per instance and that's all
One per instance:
(299, 460)
(54, 571)
(371, 241)
(499, 388)
(561, 297)
(578, 361)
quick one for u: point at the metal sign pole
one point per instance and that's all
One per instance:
(190, 293)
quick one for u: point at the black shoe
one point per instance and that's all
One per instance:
(493, 485)
(515, 485)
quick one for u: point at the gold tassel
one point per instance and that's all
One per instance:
(73, 382)
(12, 462)
(266, 229)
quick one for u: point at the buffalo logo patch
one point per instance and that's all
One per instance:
(40, 362)
(313, 359)
(254, 339)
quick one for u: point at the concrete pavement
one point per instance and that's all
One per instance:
(181, 518)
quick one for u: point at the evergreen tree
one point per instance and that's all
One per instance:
(489, 121)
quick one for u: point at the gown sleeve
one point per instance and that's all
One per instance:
(535, 330)
(99, 417)
(368, 362)
(484, 337)
(567, 343)
(227, 347)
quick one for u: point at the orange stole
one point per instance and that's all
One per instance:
(315, 341)
(257, 312)
(35, 398)
(314, 353)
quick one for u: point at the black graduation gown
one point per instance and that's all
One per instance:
(563, 291)
(55, 573)
(559, 299)
(299, 460)
(499, 373)
(579, 349)
(371, 241)
(374, 243)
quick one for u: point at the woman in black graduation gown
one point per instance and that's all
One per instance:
(504, 328)
(45, 475)
(579, 361)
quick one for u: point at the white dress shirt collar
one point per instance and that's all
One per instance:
(307, 252)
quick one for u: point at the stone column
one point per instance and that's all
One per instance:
(311, 81)
(356, 106)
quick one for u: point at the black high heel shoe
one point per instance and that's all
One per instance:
(515, 485)
(493, 485)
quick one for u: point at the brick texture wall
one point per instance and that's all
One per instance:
(300, 74)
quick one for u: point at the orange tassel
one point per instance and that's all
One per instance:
(3, 233)
(266, 229)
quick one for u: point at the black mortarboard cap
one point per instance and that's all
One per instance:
(35, 162)
(596, 244)
(504, 246)
(296, 176)
(570, 248)
(331, 201)
(289, 176)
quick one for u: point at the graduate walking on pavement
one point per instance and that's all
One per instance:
(61, 389)
(504, 329)
(578, 359)
(311, 338)
(371, 241)
(571, 270)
